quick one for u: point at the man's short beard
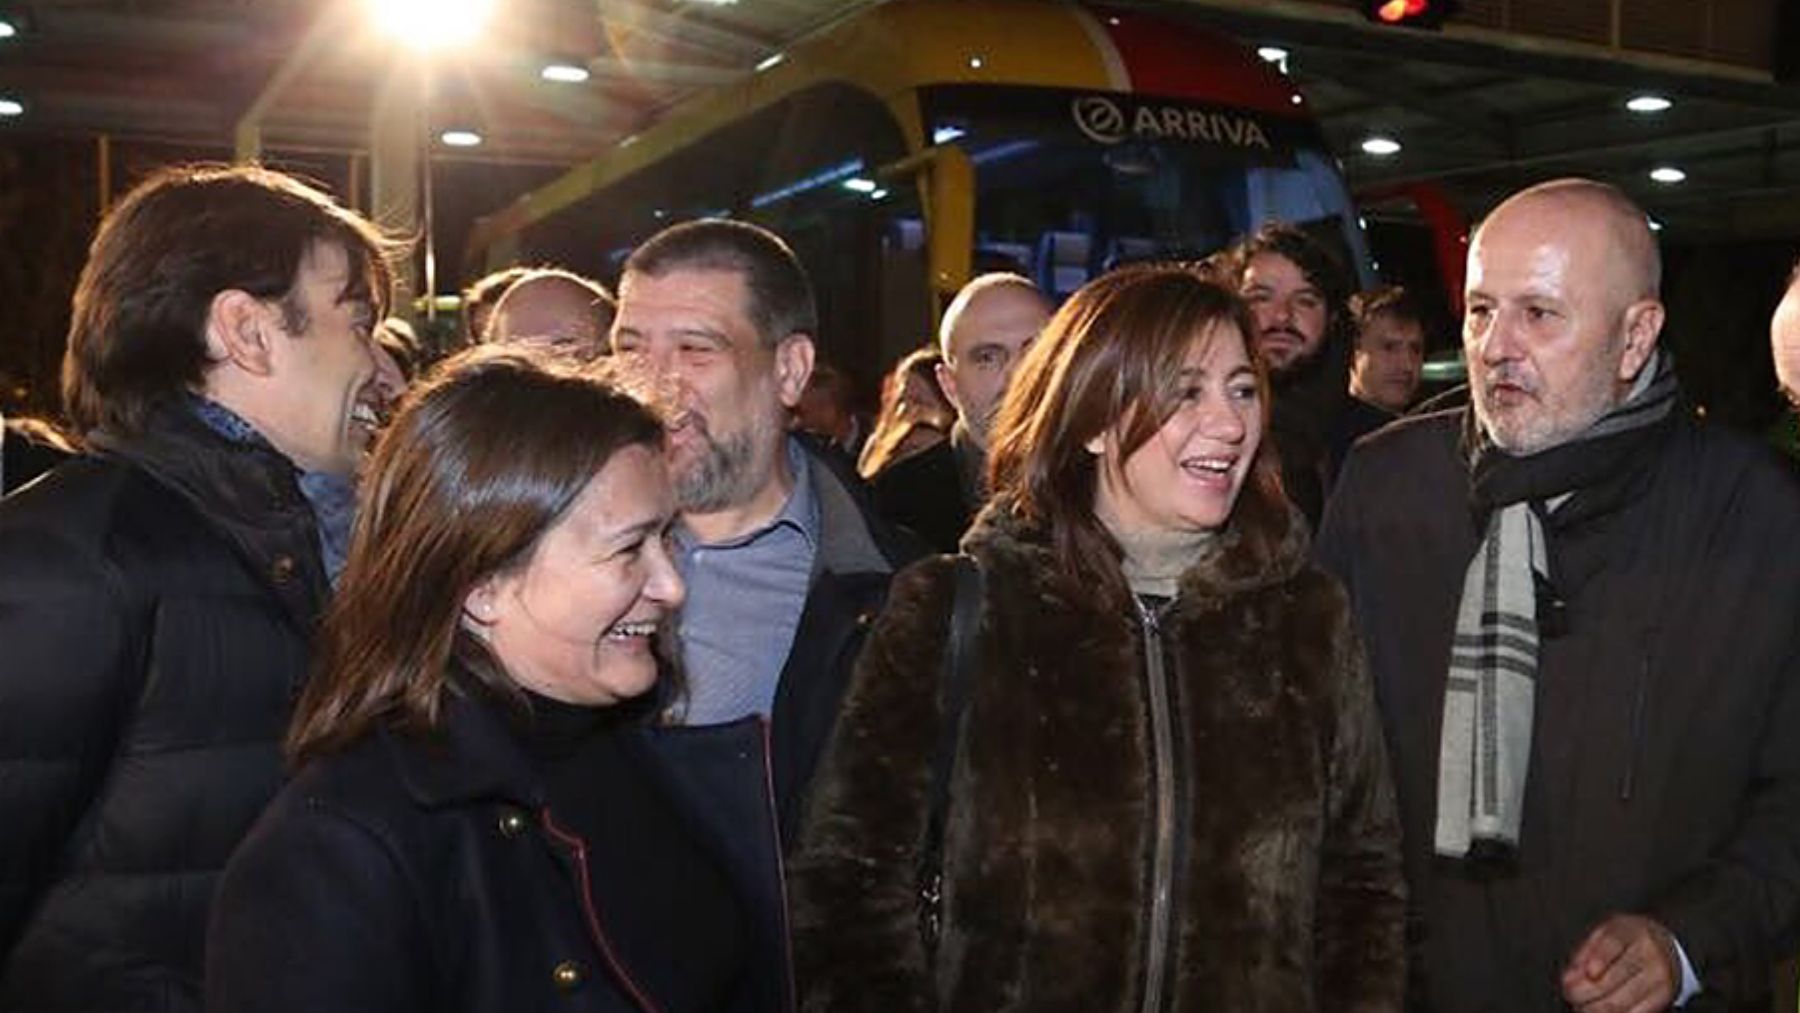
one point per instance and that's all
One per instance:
(1305, 362)
(724, 472)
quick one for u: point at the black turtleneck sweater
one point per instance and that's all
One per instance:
(665, 905)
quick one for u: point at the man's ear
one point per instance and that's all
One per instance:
(946, 378)
(1643, 323)
(793, 367)
(240, 330)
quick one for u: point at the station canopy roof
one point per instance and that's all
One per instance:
(1509, 92)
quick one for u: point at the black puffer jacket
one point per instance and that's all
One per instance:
(156, 603)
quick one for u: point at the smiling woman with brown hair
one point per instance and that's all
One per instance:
(481, 819)
(1166, 790)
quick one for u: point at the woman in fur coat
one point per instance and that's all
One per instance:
(1168, 791)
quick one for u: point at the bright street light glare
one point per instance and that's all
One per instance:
(431, 24)
(565, 73)
(460, 138)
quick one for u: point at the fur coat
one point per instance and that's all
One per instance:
(1287, 889)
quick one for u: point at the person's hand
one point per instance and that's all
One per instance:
(1628, 964)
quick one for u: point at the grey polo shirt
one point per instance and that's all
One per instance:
(744, 598)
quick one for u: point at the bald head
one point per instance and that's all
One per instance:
(986, 330)
(1613, 219)
(554, 309)
(1562, 312)
(1784, 340)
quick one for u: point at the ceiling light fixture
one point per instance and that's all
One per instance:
(460, 138)
(1647, 104)
(11, 107)
(7, 29)
(1667, 174)
(1655, 226)
(1381, 147)
(770, 62)
(860, 185)
(564, 73)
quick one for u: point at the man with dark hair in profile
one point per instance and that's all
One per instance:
(827, 409)
(1578, 601)
(159, 593)
(553, 309)
(785, 563)
(1299, 296)
(478, 301)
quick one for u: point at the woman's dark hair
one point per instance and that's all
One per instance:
(1110, 360)
(891, 429)
(137, 331)
(481, 460)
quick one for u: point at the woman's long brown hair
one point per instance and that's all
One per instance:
(481, 460)
(1110, 360)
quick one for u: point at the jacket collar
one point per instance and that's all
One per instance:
(847, 544)
(245, 489)
(1229, 564)
(473, 755)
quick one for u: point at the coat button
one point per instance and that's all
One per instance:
(511, 823)
(282, 569)
(568, 975)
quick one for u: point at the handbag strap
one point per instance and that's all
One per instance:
(956, 682)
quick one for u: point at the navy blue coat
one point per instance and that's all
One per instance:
(428, 874)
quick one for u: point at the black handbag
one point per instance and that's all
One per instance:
(954, 682)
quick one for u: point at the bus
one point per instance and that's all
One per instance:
(919, 141)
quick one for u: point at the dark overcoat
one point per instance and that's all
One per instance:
(1665, 770)
(428, 873)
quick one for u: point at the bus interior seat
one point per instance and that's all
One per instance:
(1124, 250)
(1014, 257)
(1062, 262)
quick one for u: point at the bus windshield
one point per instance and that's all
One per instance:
(1070, 185)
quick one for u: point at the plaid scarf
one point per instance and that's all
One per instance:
(1484, 751)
